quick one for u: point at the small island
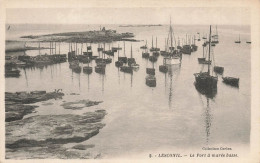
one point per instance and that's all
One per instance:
(102, 35)
(141, 25)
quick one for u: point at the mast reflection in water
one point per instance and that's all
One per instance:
(173, 73)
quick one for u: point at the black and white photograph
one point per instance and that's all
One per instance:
(155, 83)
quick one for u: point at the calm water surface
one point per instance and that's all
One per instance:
(140, 119)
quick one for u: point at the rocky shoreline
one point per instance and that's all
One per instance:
(15, 108)
(46, 136)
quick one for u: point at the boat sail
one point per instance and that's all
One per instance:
(204, 81)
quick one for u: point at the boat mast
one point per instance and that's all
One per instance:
(118, 53)
(131, 52)
(152, 42)
(124, 48)
(171, 33)
(209, 49)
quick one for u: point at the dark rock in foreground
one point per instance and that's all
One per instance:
(32, 97)
(14, 103)
(17, 111)
(43, 130)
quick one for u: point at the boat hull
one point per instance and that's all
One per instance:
(231, 81)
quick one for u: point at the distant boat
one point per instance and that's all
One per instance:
(248, 42)
(118, 63)
(199, 36)
(238, 42)
(204, 81)
(231, 81)
(145, 53)
(203, 59)
(215, 37)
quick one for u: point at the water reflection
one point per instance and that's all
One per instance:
(173, 73)
(208, 92)
(208, 118)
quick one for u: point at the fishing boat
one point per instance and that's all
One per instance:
(130, 61)
(238, 42)
(100, 68)
(164, 52)
(199, 36)
(118, 63)
(152, 49)
(74, 65)
(203, 59)
(144, 46)
(87, 69)
(231, 81)
(99, 48)
(123, 59)
(186, 49)
(194, 47)
(12, 73)
(156, 53)
(204, 81)
(175, 56)
(150, 81)
(133, 63)
(150, 71)
(163, 68)
(215, 37)
(145, 53)
(218, 69)
(248, 42)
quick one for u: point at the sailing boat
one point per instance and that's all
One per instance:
(123, 59)
(129, 68)
(215, 37)
(175, 56)
(238, 42)
(156, 52)
(194, 47)
(199, 36)
(87, 69)
(231, 81)
(203, 59)
(150, 80)
(101, 64)
(164, 67)
(203, 80)
(134, 65)
(118, 63)
(144, 46)
(145, 54)
(186, 49)
(99, 48)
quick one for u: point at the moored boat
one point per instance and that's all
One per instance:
(231, 81)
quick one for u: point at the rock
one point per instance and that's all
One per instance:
(32, 97)
(83, 147)
(41, 130)
(17, 111)
(14, 108)
(75, 105)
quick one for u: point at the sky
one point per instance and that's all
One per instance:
(179, 15)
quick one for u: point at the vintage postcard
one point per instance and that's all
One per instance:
(159, 81)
